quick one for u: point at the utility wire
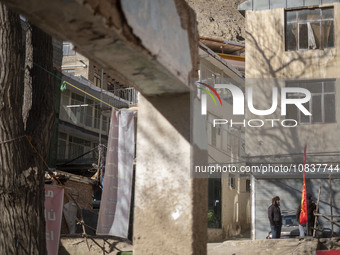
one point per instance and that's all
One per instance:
(68, 162)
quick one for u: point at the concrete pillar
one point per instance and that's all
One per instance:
(170, 207)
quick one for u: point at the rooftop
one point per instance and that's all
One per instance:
(256, 5)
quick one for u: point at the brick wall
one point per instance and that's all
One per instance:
(82, 193)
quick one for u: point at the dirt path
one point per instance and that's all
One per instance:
(271, 247)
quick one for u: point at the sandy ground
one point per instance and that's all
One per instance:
(271, 247)
(111, 246)
(106, 245)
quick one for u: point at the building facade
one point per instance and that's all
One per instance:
(229, 193)
(85, 110)
(292, 44)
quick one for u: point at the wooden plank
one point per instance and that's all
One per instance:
(317, 209)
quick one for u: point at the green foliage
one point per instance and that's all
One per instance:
(213, 220)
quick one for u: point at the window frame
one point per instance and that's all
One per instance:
(248, 185)
(70, 71)
(299, 22)
(97, 80)
(231, 181)
(70, 49)
(310, 103)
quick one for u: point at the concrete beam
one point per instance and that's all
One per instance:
(151, 44)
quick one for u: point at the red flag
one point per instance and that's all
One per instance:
(303, 213)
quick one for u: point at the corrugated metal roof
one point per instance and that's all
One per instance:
(256, 5)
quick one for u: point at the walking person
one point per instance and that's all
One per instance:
(275, 218)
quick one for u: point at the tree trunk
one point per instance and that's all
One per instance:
(22, 225)
(40, 90)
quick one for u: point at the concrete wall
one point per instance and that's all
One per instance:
(266, 55)
(235, 208)
(74, 62)
(140, 42)
(267, 58)
(266, 140)
(167, 198)
(289, 191)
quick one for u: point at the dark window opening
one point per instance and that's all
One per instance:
(214, 203)
(231, 181)
(96, 80)
(247, 185)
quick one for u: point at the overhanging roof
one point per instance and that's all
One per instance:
(221, 46)
(84, 86)
(256, 5)
(223, 64)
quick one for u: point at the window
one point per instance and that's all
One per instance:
(78, 112)
(96, 80)
(214, 202)
(68, 49)
(104, 123)
(110, 87)
(62, 140)
(70, 147)
(69, 71)
(211, 131)
(218, 137)
(231, 181)
(77, 147)
(97, 114)
(89, 113)
(321, 105)
(309, 29)
(225, 140)
(247, 185)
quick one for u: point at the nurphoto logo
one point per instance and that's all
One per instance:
(238, 104)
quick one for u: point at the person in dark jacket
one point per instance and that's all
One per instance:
(275, 218)
(311, 208)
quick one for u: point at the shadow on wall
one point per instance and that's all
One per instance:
(268, 66)
(266, 54)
